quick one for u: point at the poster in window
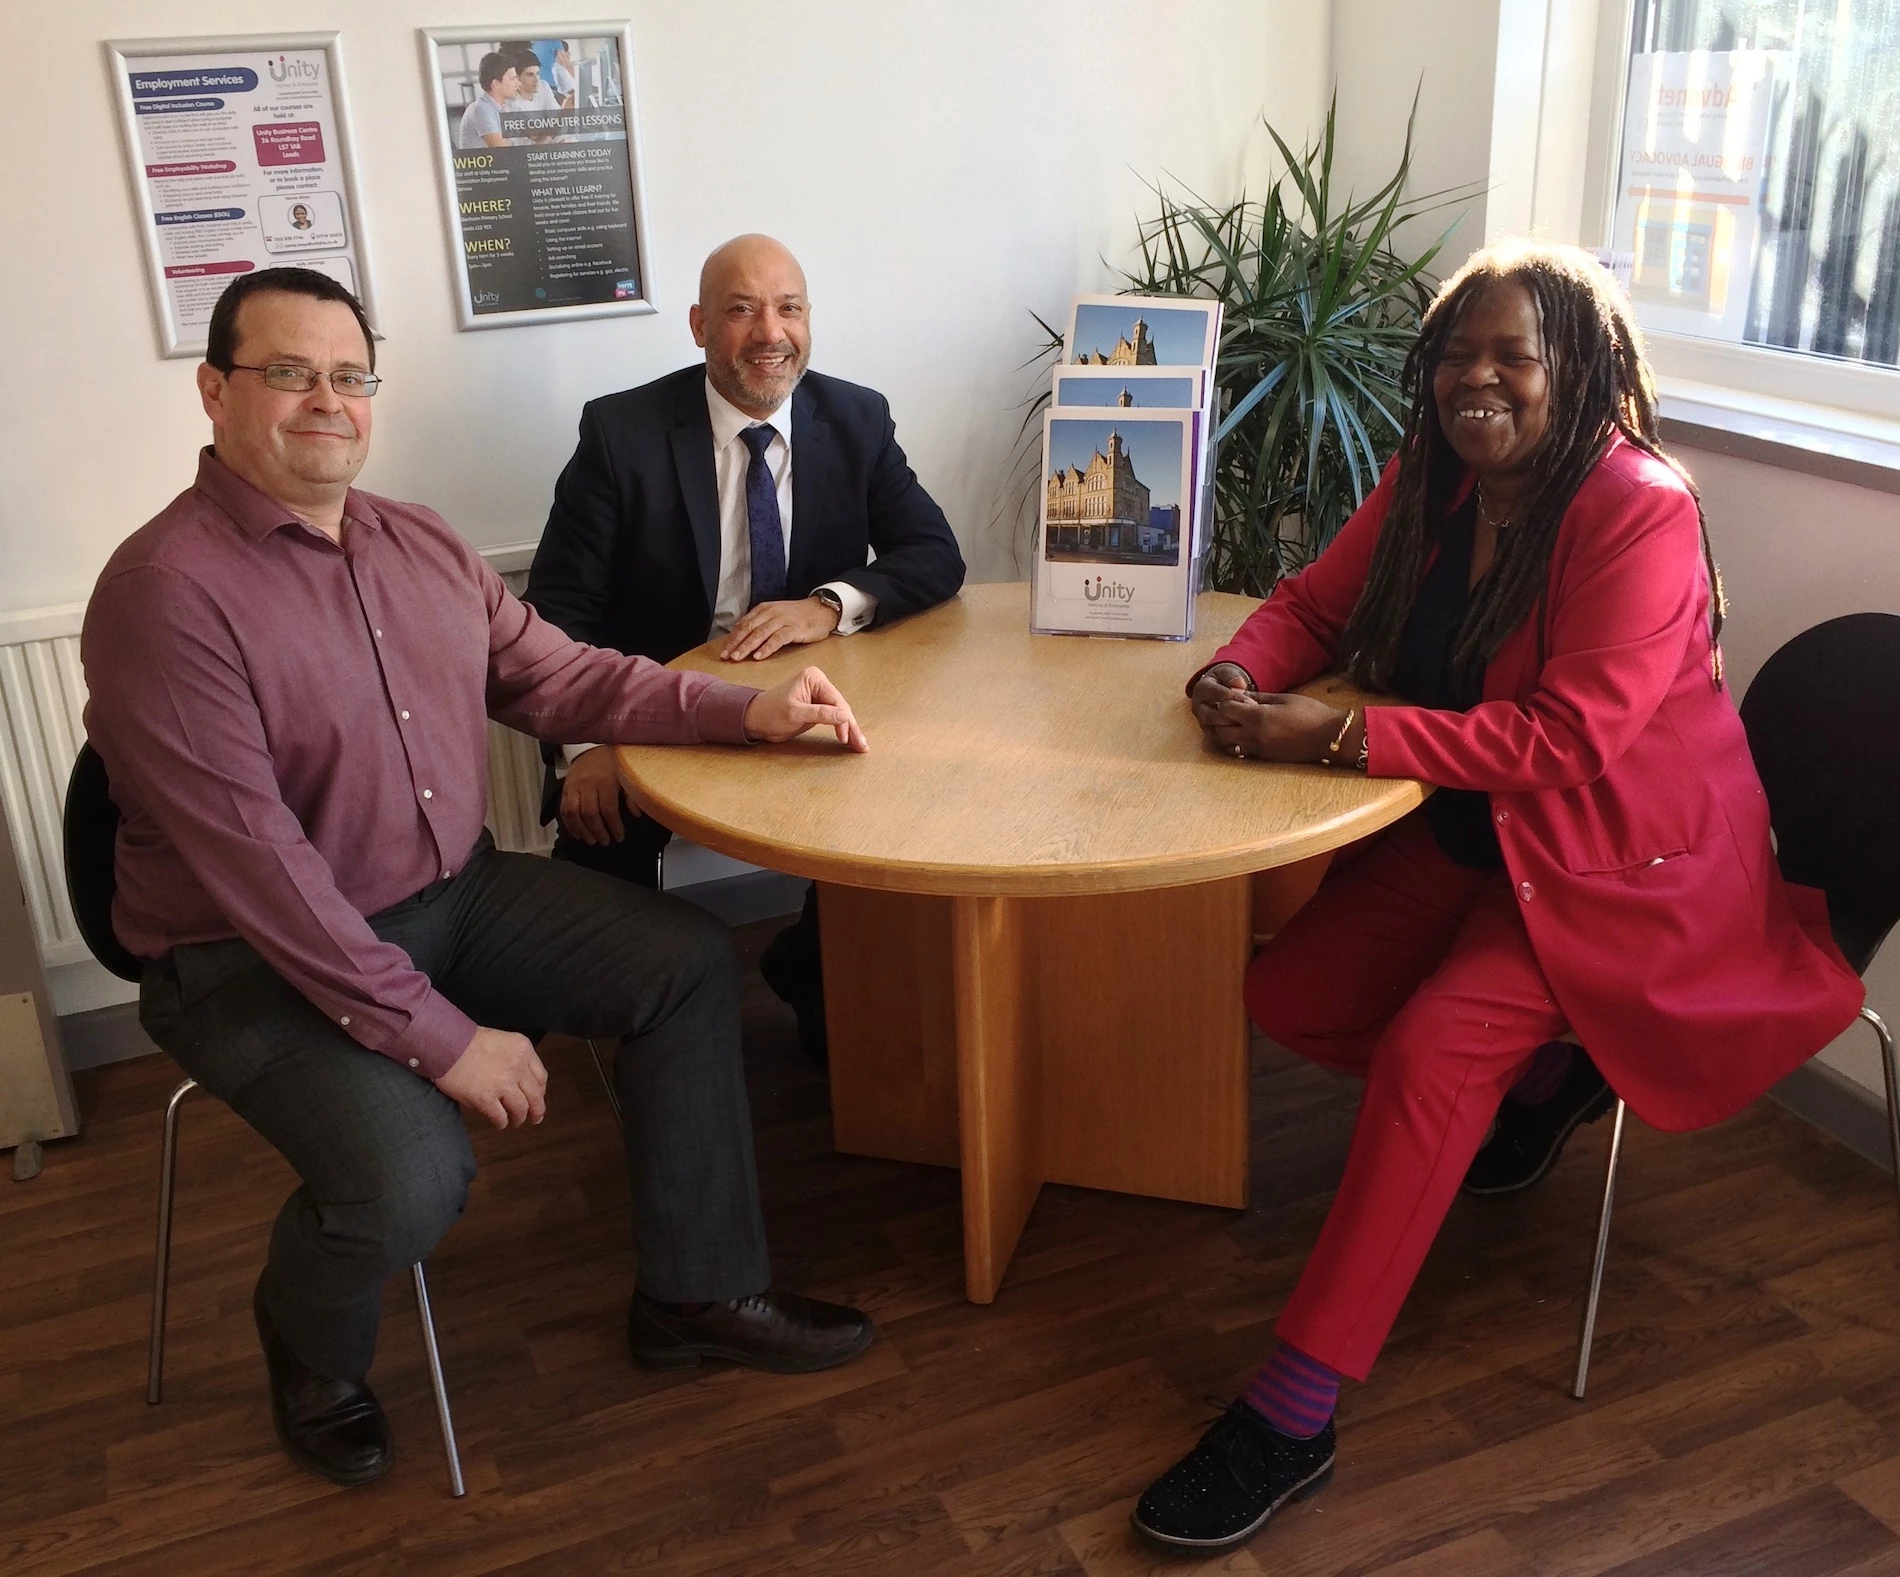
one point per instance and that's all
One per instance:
(1689, 195)
(239, 153)
(540, 153)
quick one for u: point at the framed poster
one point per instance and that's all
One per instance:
(1115, 533)
(540, 154)
(240, 157)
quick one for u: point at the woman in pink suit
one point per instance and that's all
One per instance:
(1531, 583)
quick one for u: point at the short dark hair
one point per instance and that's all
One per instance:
(526, 57)
(495, 65)
(221, 339)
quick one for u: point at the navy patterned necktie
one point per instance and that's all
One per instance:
(762, 520)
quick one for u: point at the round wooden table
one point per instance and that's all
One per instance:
(1035, 898)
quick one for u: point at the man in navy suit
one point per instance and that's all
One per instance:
(740, 500)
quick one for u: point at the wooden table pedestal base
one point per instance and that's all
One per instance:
(1095, 1040)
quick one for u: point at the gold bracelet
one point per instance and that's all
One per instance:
(1339, 738)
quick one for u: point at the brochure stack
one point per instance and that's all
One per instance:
(1127, 473)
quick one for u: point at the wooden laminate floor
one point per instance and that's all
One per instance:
(1744, 1415)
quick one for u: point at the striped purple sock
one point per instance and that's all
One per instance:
(1295, 1393)
(1544, 1077)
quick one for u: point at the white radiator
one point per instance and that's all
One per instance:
(41, 699)
(42, 702)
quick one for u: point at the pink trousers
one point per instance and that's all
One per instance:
(1417, 975)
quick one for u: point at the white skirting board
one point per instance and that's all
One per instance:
(1839, 1106)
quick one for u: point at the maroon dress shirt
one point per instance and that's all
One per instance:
(295, 731)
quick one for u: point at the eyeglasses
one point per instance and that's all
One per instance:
(286, 379)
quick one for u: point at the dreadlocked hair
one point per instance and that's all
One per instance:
(1600, 385)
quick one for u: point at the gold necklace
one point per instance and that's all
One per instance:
(1484, 513)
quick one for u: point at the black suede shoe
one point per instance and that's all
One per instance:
(1527, 1140)
(335, 1428)
(1223, 1491)
(776, 1331)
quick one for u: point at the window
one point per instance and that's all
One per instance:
(1755, 210)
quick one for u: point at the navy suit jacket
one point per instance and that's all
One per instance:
(630, 556)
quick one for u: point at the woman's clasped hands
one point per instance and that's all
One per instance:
(1240, 721)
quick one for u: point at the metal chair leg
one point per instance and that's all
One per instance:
(1588, 1334)
(606, 1078)
(162, 1258)
(161, 1277)
(1892, 1072)
(659, 869)
(437, 1383)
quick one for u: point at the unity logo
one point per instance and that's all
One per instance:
(1098, 590)
(284, 70)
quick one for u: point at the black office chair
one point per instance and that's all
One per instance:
(91, 829)
(1823, 721)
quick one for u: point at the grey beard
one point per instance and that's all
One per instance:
(759, 395)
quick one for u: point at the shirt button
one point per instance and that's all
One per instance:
(414, 1062)
(405, 717)
(428, 793)
(1503, 815)
(1526, 891)
(379, 635)
(446, 875)
(344, 1021)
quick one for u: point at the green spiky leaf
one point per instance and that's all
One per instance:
(1319, 313)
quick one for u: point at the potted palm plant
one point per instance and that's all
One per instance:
(1319, 313)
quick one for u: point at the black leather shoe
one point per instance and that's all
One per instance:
(798, 983)
(1223, 1491)
(776, 1331)
(335, 1428)
(1527, 1140)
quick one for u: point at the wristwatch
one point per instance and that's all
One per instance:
(831, 600)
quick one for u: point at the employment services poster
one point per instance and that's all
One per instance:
(541, 170)
(239, 157)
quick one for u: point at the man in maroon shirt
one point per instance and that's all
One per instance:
(290, 681)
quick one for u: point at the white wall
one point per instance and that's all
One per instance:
(1381, 52)
(1795, 550)
(1504, 99)
(940, 170)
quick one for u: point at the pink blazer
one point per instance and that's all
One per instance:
(1633, 826)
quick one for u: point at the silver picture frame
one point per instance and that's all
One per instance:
(434, 42)
(122, 57)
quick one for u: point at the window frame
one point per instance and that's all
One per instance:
(1807, 398)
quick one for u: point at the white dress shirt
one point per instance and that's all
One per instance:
(731, 460)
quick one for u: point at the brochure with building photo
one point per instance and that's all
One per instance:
(1140, 388)
(1142, 331)
(1115, 548)
(1146, 388)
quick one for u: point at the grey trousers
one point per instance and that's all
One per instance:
(516, 942)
